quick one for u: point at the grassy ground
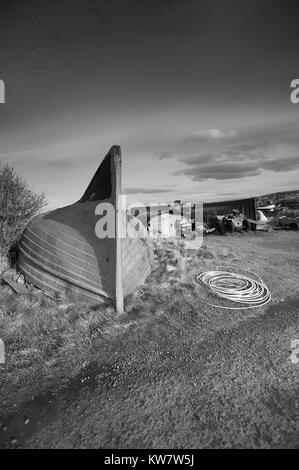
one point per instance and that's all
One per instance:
(171, 372)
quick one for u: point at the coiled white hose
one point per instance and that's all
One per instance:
(235, 287)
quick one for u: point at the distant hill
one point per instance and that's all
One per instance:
(284, 198)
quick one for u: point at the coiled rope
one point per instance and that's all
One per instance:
(246, 290)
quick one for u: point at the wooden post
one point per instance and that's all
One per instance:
(119, 298)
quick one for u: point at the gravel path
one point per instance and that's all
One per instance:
(236, 388)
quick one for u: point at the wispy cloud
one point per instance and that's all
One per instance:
(43, 156)
(146, 190)
(164, 154)
(207, 135)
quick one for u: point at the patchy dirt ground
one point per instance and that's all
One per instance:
(172, 372)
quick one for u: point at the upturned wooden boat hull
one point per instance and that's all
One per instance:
(61, 253)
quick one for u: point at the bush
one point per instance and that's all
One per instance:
(18, 205)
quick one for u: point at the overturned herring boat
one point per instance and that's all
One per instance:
(61, 253)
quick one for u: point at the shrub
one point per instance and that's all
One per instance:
(18, 205)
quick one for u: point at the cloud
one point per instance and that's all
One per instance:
(146, 190)
(208, 135)
(282, 164)
(228, 166)
(256, 151)
(163, 155)
(219, 171)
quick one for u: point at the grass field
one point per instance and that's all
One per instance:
(171, 372)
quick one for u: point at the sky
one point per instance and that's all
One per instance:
(196, 93)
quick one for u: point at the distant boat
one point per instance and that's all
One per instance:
(271, 207)
(60, 252)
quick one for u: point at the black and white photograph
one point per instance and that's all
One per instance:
(149, 227)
